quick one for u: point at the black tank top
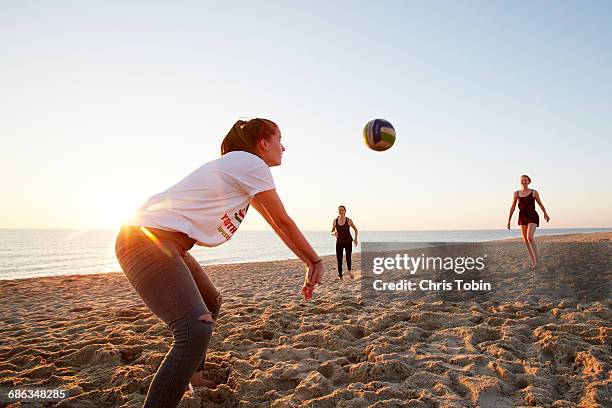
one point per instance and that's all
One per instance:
(344, 233)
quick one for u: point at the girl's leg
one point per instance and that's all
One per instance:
(530, 238)
(526, 239)
(211, 295)
(339, 258)
(348, 248)
(165, 284)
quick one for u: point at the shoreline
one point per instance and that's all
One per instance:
(332, 256)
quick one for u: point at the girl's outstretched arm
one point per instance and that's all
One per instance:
(279, 231)
(537, 197)
(271, 208)
(514, 198)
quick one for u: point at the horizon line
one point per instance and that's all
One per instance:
(305, 230)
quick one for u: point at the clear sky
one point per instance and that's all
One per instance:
(103, 104)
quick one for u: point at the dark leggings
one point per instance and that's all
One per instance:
(348, 248)
(176, 289)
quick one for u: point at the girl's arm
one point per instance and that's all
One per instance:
(514, 198)
(537, 197)
(354, 228)
(333, 230)
(269, 205)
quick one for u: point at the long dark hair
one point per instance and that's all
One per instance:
(245, 135)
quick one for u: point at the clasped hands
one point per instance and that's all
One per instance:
(313, 277)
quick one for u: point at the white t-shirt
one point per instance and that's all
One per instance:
(211, 202)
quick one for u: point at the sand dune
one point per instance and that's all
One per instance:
(92, 335)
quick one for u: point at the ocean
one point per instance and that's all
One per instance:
(26, 253)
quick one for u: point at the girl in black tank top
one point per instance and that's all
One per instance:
(529, 219)
(341, 229)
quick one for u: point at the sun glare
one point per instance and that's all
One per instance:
(114, 212)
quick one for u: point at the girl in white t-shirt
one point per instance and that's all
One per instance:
(205, 208)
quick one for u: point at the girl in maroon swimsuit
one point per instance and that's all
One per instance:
(529, 219)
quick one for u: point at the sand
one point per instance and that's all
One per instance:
(93, 336)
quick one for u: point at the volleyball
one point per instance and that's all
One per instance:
(379, 135)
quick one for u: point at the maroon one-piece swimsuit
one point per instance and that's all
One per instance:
(527, 211)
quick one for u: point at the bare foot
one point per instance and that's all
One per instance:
(351, 275)
(198, 381)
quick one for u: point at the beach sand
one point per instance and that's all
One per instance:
(92, 335)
